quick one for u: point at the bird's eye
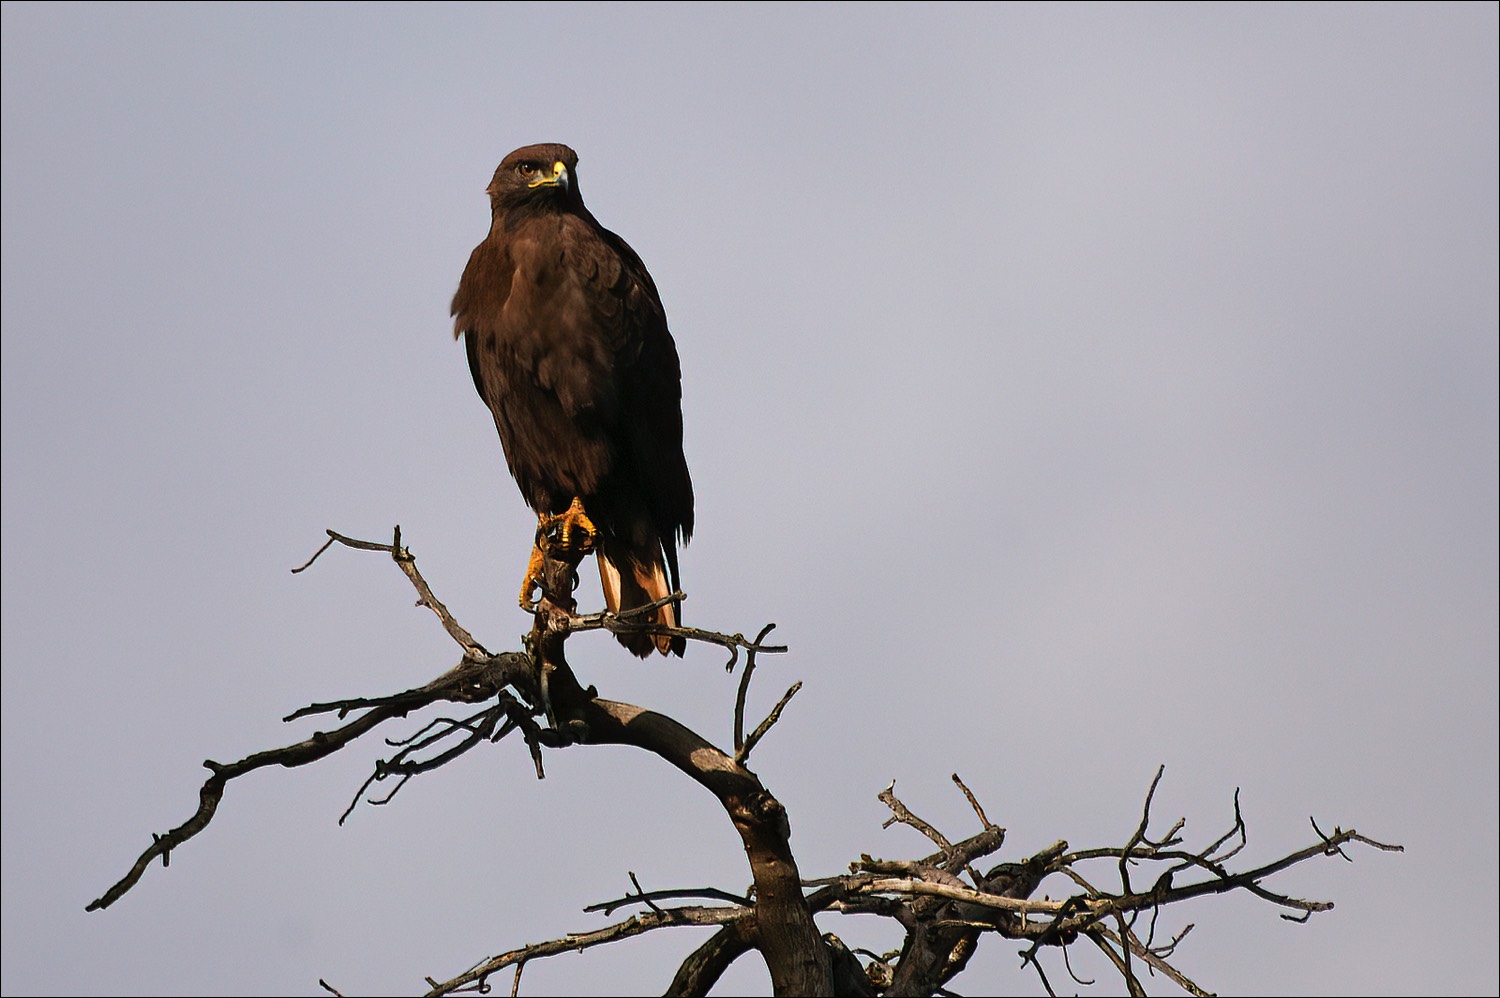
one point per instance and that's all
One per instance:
(525, 168)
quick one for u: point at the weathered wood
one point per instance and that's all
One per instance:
(784, 933)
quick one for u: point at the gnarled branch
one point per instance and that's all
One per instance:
(943, 904)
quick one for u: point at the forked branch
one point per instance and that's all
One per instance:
(943, 903)
(509, 681)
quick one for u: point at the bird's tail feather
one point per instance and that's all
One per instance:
(633, 578)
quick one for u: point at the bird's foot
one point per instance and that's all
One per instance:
(569, 536)
(531, 583)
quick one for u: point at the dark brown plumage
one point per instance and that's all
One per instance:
(568, 344)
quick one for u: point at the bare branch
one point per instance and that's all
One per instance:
(1122, 964)
(300, 754)
(408, 564)
(1068, 966)
(901, 813)
(965, 852)
(647, 897)
(786, 934)
(973, 802)
(304, 567)
(472, 680)
(577, 942)
(760, 731)
(744, 688)
(637, 621)
(943, 916)
(706, 964)
(1156, 960)
(1140, 833)
(478, 676)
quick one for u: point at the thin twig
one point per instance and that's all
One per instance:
(633, 926)
(901, 813)
(1159, 963)
(974, 803)
(1140, 833)
(408, 564)
(760, 732)
(636, 621)
(646, 897)
(744, 688)
(298, 754)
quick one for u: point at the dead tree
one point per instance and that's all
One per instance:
(944, 904)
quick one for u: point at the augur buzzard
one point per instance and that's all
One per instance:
(568, 344)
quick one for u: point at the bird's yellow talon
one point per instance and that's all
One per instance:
(531, 583)
(572, 531)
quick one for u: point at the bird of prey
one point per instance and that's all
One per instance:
(568, 345)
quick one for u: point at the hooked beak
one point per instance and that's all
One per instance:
(558, 177)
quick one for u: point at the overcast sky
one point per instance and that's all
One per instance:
(1080, 389)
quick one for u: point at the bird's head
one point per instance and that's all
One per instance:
(536, 176)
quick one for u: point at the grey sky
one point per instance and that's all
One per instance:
(1080, 389)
